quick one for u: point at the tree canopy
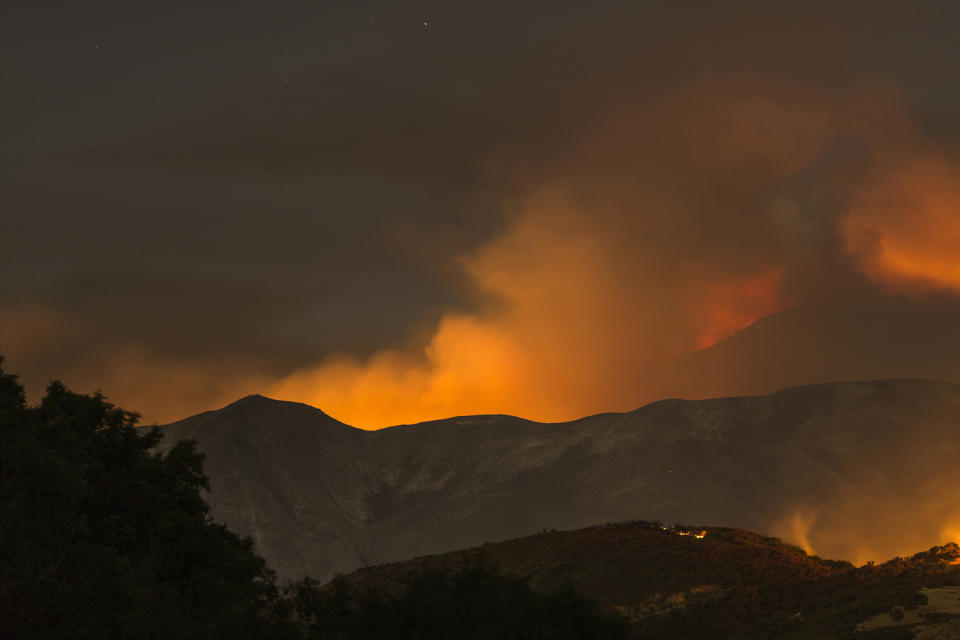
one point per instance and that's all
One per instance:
(101, 535)
(472, 602)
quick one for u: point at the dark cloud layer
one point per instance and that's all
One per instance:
(519, 207)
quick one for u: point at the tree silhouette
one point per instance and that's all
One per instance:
(474, 602)
(102, 536)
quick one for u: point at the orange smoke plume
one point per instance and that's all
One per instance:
(660, 241)
(905, 226)
(572, 327)
(595, 288)
(555, 327)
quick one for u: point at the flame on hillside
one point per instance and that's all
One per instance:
(699, 534)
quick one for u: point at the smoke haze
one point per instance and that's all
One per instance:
(662, 227)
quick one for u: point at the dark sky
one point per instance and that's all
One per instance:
(401, 210)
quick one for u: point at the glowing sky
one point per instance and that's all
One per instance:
(403, 211)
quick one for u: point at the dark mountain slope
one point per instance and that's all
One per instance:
(729, 583)
(858, 470)
(280, 472)
(857, 339)
(630, 566)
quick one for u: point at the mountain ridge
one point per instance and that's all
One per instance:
(254, 398)
(315, 493)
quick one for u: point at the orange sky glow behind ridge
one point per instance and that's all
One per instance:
(662, 229)
(580, 321)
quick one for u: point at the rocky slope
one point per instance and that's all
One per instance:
(854, 470)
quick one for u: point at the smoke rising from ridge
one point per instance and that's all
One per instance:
(394, 219)
(660, 225)
(665, 228)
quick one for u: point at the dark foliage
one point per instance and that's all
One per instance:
(731, 584)
(475, 602)
(100, 536)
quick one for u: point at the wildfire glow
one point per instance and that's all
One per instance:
(796, 528)
(905, 227)
(649, 234)
(556, 327)
(572, 328)
(588, 293)
(736, 303)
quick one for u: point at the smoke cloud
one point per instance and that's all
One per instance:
(665, 228)
(662, 224)
(904, 226)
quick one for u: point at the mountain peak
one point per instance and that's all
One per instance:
(257, 401)
(253, 398)
(250, 403)
(259, 408)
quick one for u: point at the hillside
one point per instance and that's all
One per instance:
(639, 568)
(710, 582)
(855, 470)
